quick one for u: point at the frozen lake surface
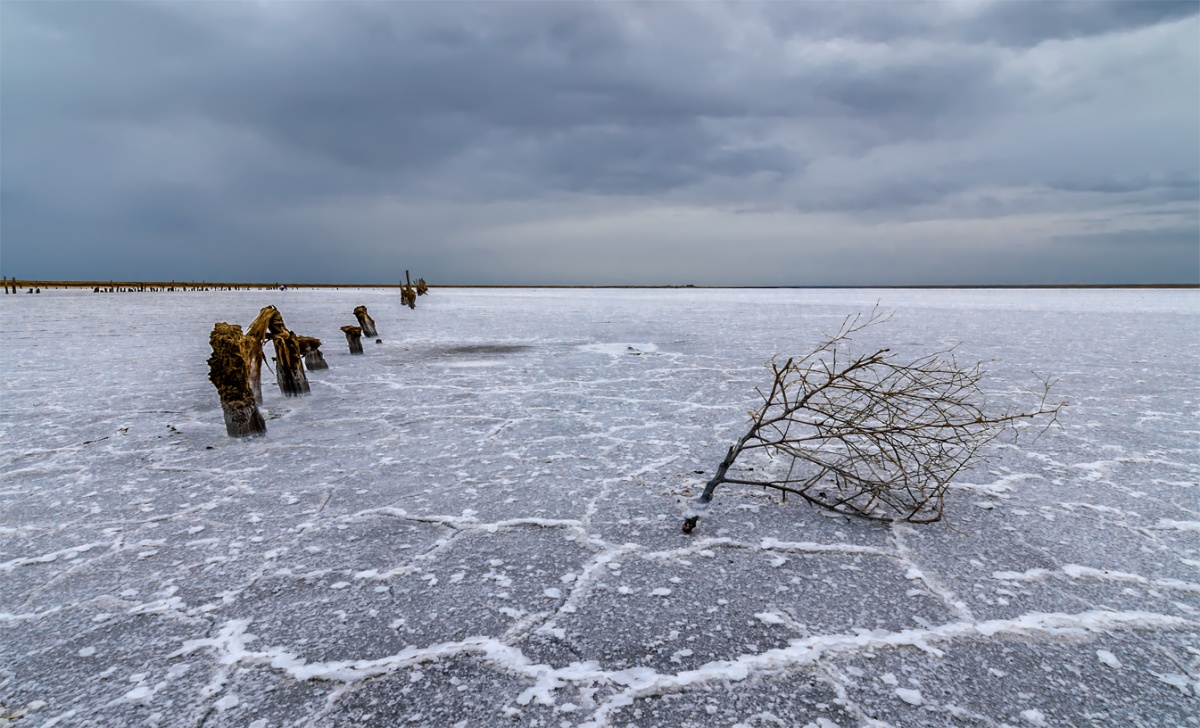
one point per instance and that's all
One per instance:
(477, 521)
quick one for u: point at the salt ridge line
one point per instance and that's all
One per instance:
(71, 552)
(466, 522)
(957, 606)
(230, 647)
(810, 650)
(999, 486)
(1075, 571)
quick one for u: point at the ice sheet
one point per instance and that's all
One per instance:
(478, 519)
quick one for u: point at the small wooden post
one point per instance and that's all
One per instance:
(408, 295)
(422, 287)
(353, 338)
(365, 322)
(310, 349)
(229, 371)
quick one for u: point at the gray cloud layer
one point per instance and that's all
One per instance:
(774, 144)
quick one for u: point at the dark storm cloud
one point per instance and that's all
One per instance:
(154, 137)
(1017, 23)
(1026, 24)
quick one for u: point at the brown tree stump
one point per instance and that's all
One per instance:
(289, 366)
(268, 321)
(365, 322)
(353, 338)
(310, 349)
(229, 371)
(315, 360)
(422, 287)
(408, 295)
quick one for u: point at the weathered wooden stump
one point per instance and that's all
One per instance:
(229, 371)
(422, 287)
(310, 349)
(268, 320)
(289, 366)
(353, 338)
(365, 322)
(408, 295)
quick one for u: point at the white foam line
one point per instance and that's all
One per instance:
(1103, 469)
(8, 566)
(584, 581)
(773, 544)
(810, 650)
(915, 572)
(1028, 575)
(996, 487)
(9, 617)
(413, 564)
(468, 523)
(1097, 508)
(652, 467)
(1166, 524)
(230, 646)
(59, 718)
(699, 547)
(1075, 571)
(767, 544)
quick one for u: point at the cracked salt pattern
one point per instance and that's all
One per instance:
(478, 519)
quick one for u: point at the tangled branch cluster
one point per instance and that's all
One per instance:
(871, 435)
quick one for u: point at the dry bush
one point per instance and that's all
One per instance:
(871, 435)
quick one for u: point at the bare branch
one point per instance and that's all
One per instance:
(873, 435)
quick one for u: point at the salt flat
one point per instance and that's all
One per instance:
(477, 521)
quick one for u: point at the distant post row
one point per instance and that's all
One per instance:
(235, 366)
(408, 292)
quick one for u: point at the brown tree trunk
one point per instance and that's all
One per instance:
(353, 338)
(289, 367)
(315, 360)
(243, 420)
(310, 349)
(365, 322)
(229, 371)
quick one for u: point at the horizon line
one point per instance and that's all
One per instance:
(34, 283)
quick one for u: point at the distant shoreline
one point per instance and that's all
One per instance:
(194, 285)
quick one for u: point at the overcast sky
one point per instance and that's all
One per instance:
(783, 143)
